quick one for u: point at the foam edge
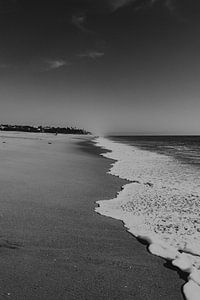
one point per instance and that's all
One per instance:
(181, 260)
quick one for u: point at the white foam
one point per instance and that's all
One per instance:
(161, 205)
(191, 290)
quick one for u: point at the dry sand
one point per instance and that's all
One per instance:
(53, 244)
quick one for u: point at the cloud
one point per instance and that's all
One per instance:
(36, 65)
(170, 5)
(141, 4)
(78, 20)
(172, 8)
(45, 65)
(116, 4)
(55, 64)
(92, 54)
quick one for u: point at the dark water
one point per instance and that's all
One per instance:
(184, 148)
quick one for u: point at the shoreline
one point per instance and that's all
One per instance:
(64, 249)
(166, 263)
(176, 258)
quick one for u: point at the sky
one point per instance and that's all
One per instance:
(109, 66)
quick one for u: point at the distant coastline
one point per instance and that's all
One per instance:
(43, 129)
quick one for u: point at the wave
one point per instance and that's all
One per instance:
(161, 205)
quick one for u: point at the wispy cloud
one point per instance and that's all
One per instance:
(39, 65)
(170, 5)
(54, 64)
(172, 8)
(79, 20)
(92, 54)
(45, 65)
(140, 4)
(116, 4)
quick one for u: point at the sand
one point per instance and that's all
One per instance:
(53, 244)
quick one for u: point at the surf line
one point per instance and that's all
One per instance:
(119, 208)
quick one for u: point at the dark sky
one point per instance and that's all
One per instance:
(106, 65)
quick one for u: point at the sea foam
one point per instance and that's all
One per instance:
(161, 205)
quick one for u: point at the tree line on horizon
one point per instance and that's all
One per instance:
(43, 129)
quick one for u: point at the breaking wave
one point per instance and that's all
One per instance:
(161, 205)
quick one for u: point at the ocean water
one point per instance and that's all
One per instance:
(161, 204)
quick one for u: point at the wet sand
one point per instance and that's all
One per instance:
(53, 244)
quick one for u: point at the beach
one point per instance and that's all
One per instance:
(53, 243)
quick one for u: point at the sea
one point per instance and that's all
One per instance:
(161, 201)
